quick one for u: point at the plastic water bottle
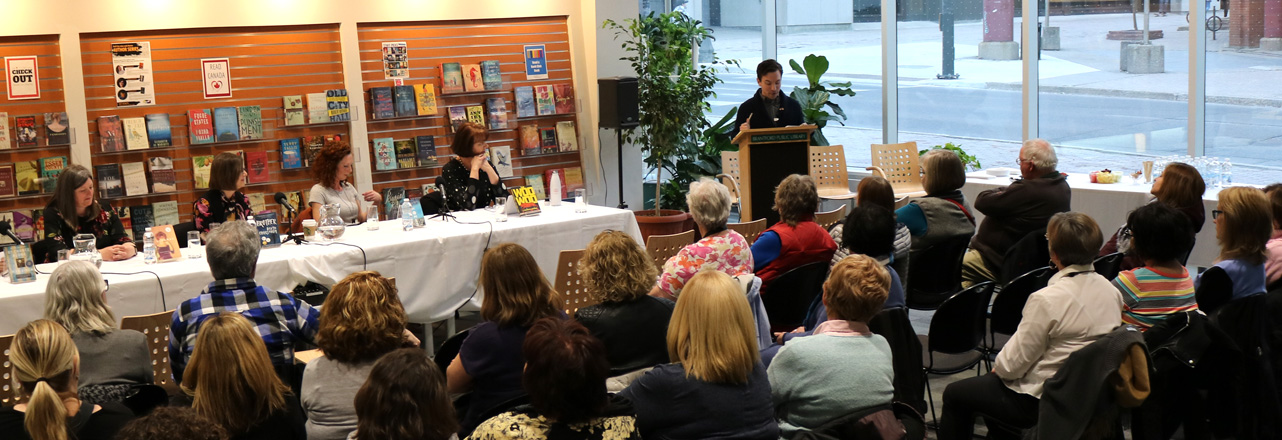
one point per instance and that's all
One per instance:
(554, 190)
(407, 215)
(148, 248)
(1226, 177)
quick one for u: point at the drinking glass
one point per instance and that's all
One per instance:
(371, 218)
(580, 200)
(194, 249)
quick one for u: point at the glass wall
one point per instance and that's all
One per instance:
(736, 25)
(1244, 95)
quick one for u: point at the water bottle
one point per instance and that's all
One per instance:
(1226, 177)
(407, 215)
(148, 248)
(250, 220)
(554, 190)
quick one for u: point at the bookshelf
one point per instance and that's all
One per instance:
(49, 69)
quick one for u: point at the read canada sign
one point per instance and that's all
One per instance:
(23, 77)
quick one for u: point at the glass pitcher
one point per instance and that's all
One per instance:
(87, 249)
(331, 226)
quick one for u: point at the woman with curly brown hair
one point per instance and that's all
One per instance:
(362, 320)
(618, 273)
(331, 168)
(796, 240)
(170, 423)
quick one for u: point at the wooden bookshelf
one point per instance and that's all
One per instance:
(49, 68)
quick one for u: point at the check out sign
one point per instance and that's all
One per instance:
(22, 77)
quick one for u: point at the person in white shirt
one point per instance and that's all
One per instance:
(1077, 307)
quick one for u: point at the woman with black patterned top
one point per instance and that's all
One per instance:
(223, 202)
(469, 180)
(75, 194)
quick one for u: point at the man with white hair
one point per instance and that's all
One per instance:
(1014, 211)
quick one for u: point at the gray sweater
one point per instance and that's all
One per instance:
(329, 388)
(117, 358)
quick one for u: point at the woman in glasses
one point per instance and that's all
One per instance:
(1243, 224)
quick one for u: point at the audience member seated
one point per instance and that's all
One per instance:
(113, 360)
(469, 180)
(876, 191)
(231, 381)
(45, 371)
(1243, 224)
(943, 213)
(362, 320)
(1179, 186)
(854, 364)
(489, 362)
(404, 399)
(796, 240)
(565, 372)
(75, 209)
(172, 423)
(717, 386)
(331, 169)
(633, 326)
(1273, 266)
(1075, 308)
(1011, 212)
(1159, 236)
(279, 319)
(223, 202)
(720, 248)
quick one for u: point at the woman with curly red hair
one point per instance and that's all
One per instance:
(331, 168)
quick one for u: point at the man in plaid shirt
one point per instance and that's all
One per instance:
(281, 319)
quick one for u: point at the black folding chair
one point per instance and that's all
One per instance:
(1109, 265)
(934, 274)
(790, 295)
(1008, 307)
(957, 335)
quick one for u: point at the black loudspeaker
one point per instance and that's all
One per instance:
(619, 102)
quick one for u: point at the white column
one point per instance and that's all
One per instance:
(1030, 90)
(1197, 79)
(358, 132)
(769, 47)
(889, 73)
(74, 102)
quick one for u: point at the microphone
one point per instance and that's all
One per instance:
(284, 201)
(6, 230)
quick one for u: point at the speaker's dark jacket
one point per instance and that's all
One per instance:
(789, 113)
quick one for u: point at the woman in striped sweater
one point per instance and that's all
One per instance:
(1160, 235)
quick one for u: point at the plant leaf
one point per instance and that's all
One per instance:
(816, 66)
(796, 67)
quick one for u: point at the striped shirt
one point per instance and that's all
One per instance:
(1149, 295)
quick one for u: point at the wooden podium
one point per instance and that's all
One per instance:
(766, 157)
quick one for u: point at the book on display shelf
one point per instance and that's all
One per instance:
(256, 167)
(20, 264)
(111, 135)
(476, 114)
(451, 78)
(5, 142)
(296, 199)
(458, 115)
(200, 126)
(524, 96)
(425, 99)
(257, 202)
(573, 179)
(143, 219)
(200, 167)
(56, 129)
(126, 221)
(544, 100)
(406, 157)
(414, 193)
(547, 181)
(317, 108)
(491, 75)
(427, 188)
(425, 148)
(8, 186)
(135, 176)
(535, 182)
(268, 228)
(496, 108)
(158, 131)
(501, 159)
(295, 113)
(110, 184)
(226, 124)
(25, 129)
(381, 100)
(24, 224)
(564, 97)
(163, 178)
(291, 153)
(50, 169)
(251, 122)
(406, 104)
(8, 218)
(27, 173)
(473, 79)
(392, 197)
(530, 140)
(567, 138)
(339, 108)
(384, 154)
(135, 133)
(547, 140)
(312, 146)
(165, 213)
(166, 243)
(38, 217)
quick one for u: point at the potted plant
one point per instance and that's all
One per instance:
(970, 162)
(815, 98)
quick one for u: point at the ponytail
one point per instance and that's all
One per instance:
(43, 358)
(46, 417)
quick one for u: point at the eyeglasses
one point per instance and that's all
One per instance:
(1215, 214)
(1020, 161)
(1125, 232)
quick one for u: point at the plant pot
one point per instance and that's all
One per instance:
(670, 221)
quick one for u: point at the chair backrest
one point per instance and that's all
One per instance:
(830, 218)
(569, 284)
(1214, 289)
(750, 230)
(934, 274)
(790, 294)
(9, 396)
(1030, 252)
(663, 247)
(181, 231)
(958, 324)
(1109, 265)
(296, 226)
(828, 168)
(156, 328)
(1008, 307)
(900, 162)
(905, 349)
(449, 349)
(730, 166)
(901, 202)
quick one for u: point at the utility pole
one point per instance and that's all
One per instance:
(950, 52)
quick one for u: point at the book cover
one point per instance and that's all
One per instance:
(547, 140)
(458, 115)
(536, 181)
(406, 104)
(25, 128)
(420, 220)
(50, 169)
(110, 184)
(413, 193)
(111, 135)
(544, 100)
(163, 178)
(226, 124)
(451, 78)
(158, 133)
(567, 138)
(135, 133)
(527, 202)
(496, 108)
(476, 114)
(28, 175)
(6, 217)
(38, 216)
(200, 126)
(425, 99)
(21, 266)
(251, 122)
(5, 143)
(295, 199)
(313, 145)
(166, 213)
(473, 79)
(425, 147)
(384, 154)
(257, 202)
(530, 140)
(200, 167)
(143, 218)
(8, 186)
(491, 75)
(317, 108)
(405, 155)
(291, 153)
(573, 180)
(256, 167)
(547, 182)
(381, 101)
(55, 129)
(135, 178)
(166, 243)
(126, 221)
(564, 96)
(268, 228)
(392, 197)
(501, 159)
(295, 114)
(339, 108)
(24, 225)
(525, 102)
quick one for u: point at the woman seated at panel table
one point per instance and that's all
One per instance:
(1179, 186)
(796, 240)
(469, 180)
(330, 168)
(223, 202)
(720, 249)
(75, 209)
(1243, 224)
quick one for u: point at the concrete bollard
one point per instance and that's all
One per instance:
(1124, 55)
(1146, 58)
(1050, 38)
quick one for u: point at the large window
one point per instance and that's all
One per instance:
(1244, 99)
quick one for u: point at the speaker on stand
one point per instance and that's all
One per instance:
(619, 111)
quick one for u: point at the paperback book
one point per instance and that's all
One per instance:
(295, 114)
(143, 219)
(24, 225)
(473, 79)
(458, 115)
(110, 184)
(135, 176)
(339, 109)
(476, 114)
(162, 174)
(226, 124)
(8, 186)
(381, 101)
(392, 197)
(166, 213)
(20, 264)
(200, 126)
(158, 133)
(525, 102)
(547, 140)
(25, 128)
(28, 175)
(451, 78)
(251, 122)
(55, 129)
(268, 228)
(544, 100)
(573, 179)
(536, 182)
(497, 110)
(317, 108)
(384, 154)
(567, 138)
(405, 155)
(491, 75)
(111, 137)
(425, 99)
(406, 104)
(501, 159)
(135, 133)
(291, 154)
(166, 243)
(5, 143)
(564, 96)
(200, 167)
(527, 200)
(256, 167)
(50, 169)
(426, 150)
(530, 140)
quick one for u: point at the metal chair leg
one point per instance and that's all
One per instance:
(934, 417)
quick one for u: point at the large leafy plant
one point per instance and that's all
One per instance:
(969, 161)
(689, 164)
(815, 99)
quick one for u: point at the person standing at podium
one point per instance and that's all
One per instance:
(769, 107)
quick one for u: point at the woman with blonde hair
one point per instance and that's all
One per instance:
(115, 360)
(1243, 224)
(796, 240)
(46, 371)
(362, 320)
(720, 248)
(489, 362)
(231, 381)
(617, 271)
(717, 386)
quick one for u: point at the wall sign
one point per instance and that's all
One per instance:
(131, 67)
(217, 77)
(536, 62)
(22, 77)
(396, 60)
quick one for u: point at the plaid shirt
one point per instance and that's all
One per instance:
(278, 317)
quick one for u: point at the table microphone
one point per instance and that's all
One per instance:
(284, 201)
(6, 229)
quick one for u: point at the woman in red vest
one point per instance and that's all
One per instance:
(796, 240)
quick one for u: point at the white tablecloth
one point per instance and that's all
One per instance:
(436, 267)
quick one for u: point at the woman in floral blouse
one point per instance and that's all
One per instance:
(223, 202)
(75, 194)
(720, 249)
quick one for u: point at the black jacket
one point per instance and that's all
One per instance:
(1081, 394)
(789, 113)
(634, 332)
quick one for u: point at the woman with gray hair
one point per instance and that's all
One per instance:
(111, 360)
(720, 249)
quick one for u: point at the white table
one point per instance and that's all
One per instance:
(436, 267)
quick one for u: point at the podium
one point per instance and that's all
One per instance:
(766, 157)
